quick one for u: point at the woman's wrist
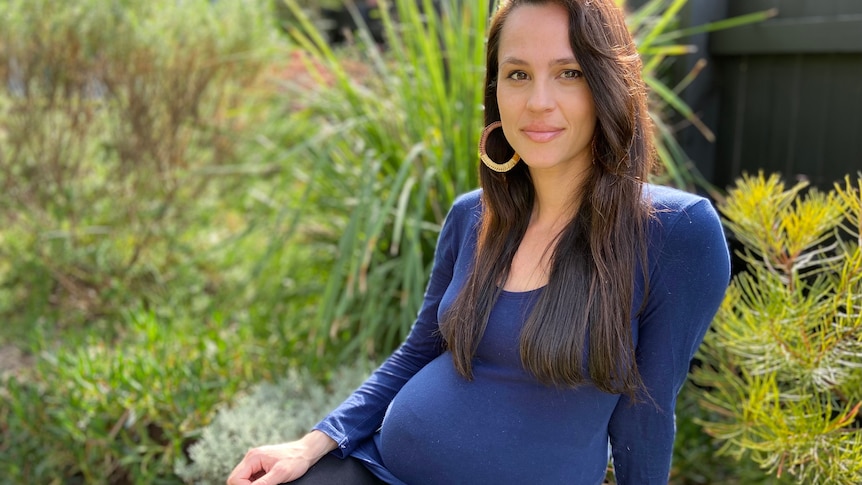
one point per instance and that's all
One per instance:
(319, 443)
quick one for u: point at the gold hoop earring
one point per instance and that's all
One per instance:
(483, 153)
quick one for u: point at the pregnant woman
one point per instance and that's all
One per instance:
(567, 295)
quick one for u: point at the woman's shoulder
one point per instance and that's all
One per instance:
(684, 223)
(669, 199)
(463, 219)
(670, 205)
(467, 206)
(468, 200)
(688, 249)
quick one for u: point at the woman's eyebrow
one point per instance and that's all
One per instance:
(513, 60)
(565, 60)
(556, 62)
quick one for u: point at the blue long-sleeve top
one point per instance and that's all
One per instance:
(504, 427)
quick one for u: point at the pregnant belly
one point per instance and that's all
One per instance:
(501, 427)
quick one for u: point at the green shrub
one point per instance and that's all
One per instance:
(123, 412)
(401, 128)
(696, 457)
(784, 380)
(114, 122)
(268, 414)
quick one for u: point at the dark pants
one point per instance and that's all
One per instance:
(331, 470)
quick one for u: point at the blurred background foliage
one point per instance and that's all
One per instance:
(199, 196)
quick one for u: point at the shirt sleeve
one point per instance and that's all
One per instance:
(361, 414)
(688, 280)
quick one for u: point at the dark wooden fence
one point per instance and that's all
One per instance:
(783, 95)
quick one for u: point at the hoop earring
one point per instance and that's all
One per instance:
(483, 153)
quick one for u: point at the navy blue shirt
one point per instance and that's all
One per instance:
(504, 426)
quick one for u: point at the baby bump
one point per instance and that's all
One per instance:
(441, 427)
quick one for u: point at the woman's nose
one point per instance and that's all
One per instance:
(541, 97)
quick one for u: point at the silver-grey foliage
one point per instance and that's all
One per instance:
(269, 413)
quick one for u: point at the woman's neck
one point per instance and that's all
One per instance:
(557, 197)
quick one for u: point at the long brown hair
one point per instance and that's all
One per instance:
(588, 302)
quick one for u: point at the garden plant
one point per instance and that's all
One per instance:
(125, 193)
(782, 379)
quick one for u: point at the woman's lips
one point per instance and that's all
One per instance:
(541, 135)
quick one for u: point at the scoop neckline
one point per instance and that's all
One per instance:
(521, 293)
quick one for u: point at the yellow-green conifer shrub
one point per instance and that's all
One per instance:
(783, 378)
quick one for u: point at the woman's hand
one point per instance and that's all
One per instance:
(274, 464)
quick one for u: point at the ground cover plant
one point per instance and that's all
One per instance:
(267, 413)
(122, 412)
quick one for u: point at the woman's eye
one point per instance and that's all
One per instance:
(572, 74)
(517, 75)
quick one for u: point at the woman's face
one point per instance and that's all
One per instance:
(546, 106)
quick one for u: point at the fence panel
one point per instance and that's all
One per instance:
(790, 91)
